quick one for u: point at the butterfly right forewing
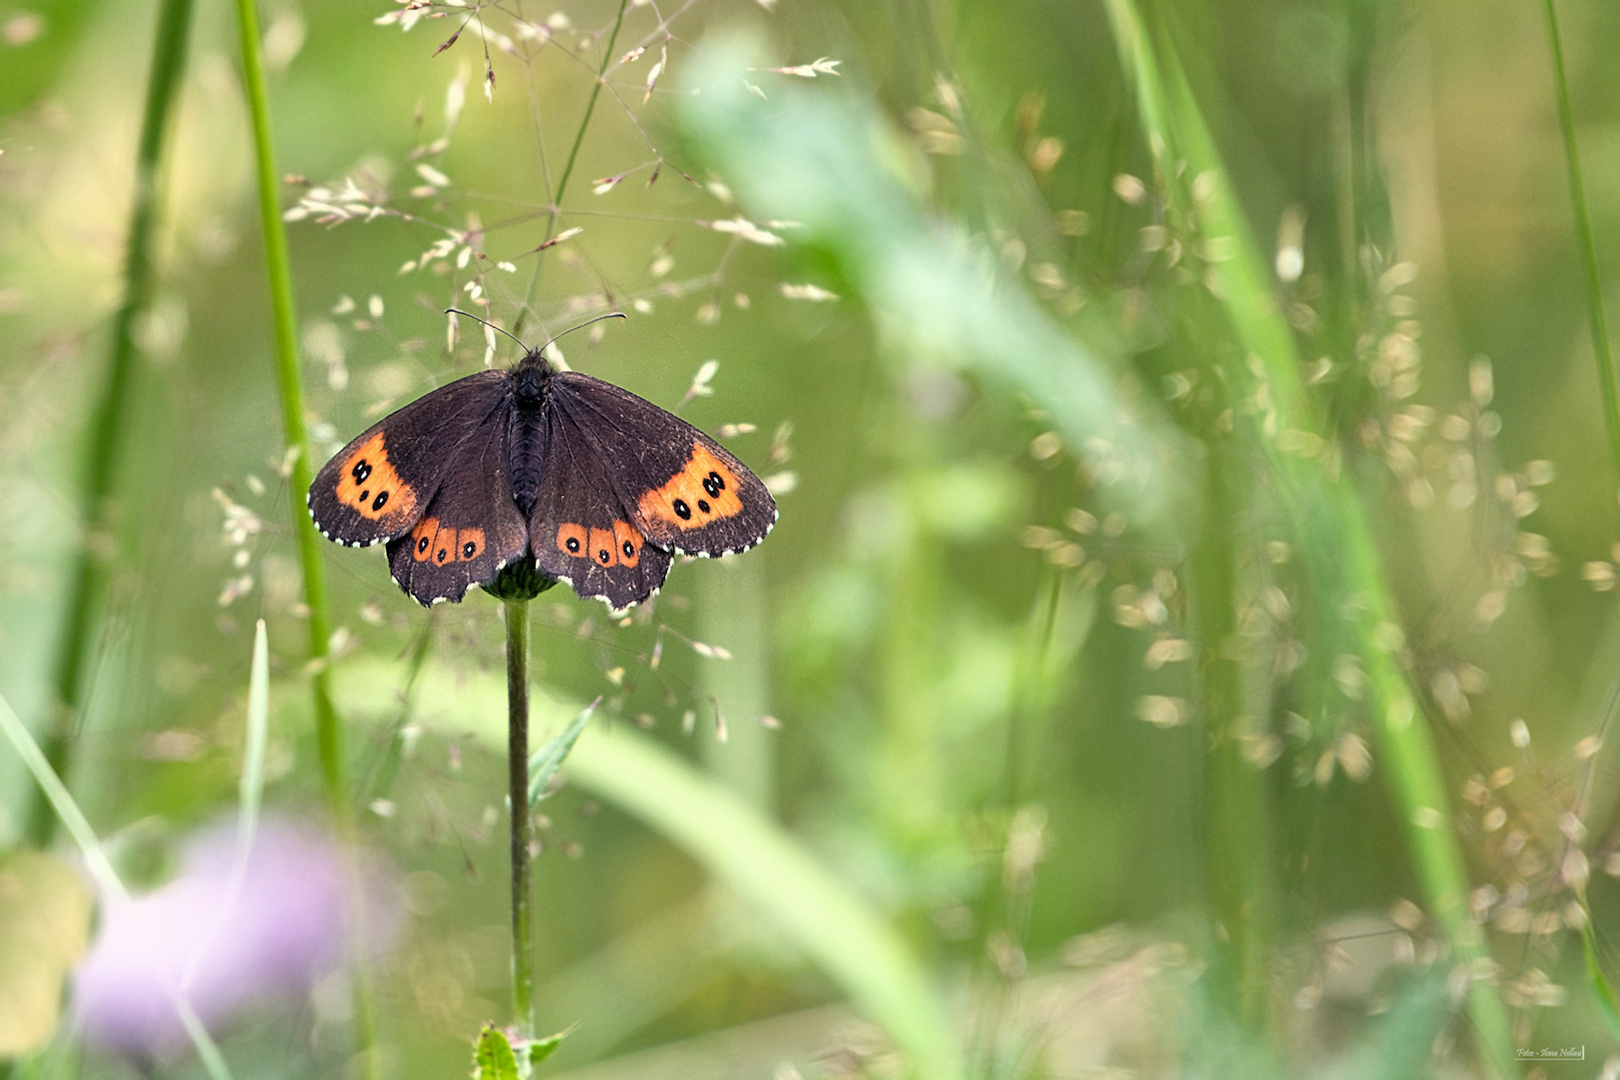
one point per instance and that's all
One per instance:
(682, 489)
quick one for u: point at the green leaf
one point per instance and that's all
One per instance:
(544, 763)
(540, 1049)
(493, 1058)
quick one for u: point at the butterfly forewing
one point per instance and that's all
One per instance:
(681, 489)
(581, 531)
(471, 526)
(379, 486)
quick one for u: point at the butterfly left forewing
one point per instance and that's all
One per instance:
(684, 491)
(469, 529)
(379, 485)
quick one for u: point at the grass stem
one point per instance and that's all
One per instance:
(517, 753)
(328, 734)
(1608, 394)
(1326, 510)
(573, 156)
(89, 574)
(278, 266)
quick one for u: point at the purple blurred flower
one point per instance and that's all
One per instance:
(273, 935)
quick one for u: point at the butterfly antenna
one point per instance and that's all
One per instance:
(581, 326)
(486, 322)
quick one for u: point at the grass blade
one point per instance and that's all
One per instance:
(1608, 395)
(251, 788)
(1175, 128)
(278, 267)
(328, 733)
(98, 865)
(110, 417)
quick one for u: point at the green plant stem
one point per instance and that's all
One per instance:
(1323, 506)
(1608, 394)
(328, 733)
(517, 754)
(110, 418)
(1236, 823)
(573, 153)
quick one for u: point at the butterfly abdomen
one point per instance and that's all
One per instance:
(527, 447)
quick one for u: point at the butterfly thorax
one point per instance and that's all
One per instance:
(526, 436)
(529, 378)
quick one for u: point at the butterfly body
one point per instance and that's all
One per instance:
(598, 486)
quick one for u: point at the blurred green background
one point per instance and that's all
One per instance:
(1056, 668)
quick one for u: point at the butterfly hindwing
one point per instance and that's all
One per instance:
(682, 490)
(471, 526)
(581, 531)
(380, 485)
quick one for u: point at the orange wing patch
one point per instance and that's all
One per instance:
(424, 538)
(618, 546)
(368, 484)
(601, 548)
(629, 543)
(571, 539)
(703, 492)
(469, 544)
(430, 541)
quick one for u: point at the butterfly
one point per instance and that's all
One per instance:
(599, 487)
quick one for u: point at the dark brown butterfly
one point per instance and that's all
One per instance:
(599, 487)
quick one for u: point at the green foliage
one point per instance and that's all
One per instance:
(1179, 652)
(500, 1055)
(493, 1058)
(549, 758)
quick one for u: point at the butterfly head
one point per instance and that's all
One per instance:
(529, 379)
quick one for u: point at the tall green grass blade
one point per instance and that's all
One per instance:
(773, 871)
(61, 803)
(1322, 506)
(1237, 827)
(328, 732)
(752, 855)
(251, 788)
(110, 417)
(1608, 393)
(97, 864)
